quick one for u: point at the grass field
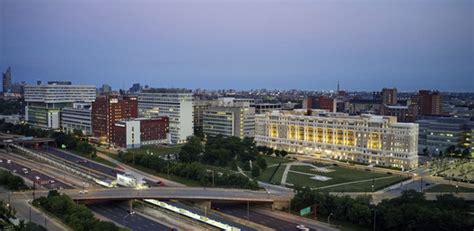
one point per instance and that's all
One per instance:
(379, 183)
(339, 175)
(448, 188)
(265, 175)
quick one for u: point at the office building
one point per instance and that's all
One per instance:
(134, 133)
(437, 134)
(389, 96)
(368, 139)
(199, 107)
(108, 110)
(176, 104)
(266, 107)
(7, 80)
(229, 119)
(429, 102)
(45, 102)
(78, 117)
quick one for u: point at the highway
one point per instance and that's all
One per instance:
(211, 215)
(84, 162)
(33, 175)
(120, 215)
(266, 218)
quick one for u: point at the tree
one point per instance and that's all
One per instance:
(255, 171)
(190, 151)
(262, 163)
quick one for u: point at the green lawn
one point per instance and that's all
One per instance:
(339, 175)
(365, 186)
(448, 188)
(265, 175)
(157, 150)
(274, 160)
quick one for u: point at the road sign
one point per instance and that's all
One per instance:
(305, 211)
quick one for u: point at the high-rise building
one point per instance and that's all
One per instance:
(108, 110)
(389, 96)
(236, 119)
(429, 102)
(105, 89)
(45, 102)
(176, 104)
(135, 88)
(134, 133)
(7, 80)
(78, 117)
(369, 139)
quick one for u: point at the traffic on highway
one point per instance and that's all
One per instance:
(39, 179)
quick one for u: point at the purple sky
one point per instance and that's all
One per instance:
(365, 44)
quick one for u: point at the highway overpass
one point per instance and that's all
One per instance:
(178, 193)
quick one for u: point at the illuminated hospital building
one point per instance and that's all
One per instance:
(368, 139)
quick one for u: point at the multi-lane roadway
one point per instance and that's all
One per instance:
(123, 216)
(40, 179)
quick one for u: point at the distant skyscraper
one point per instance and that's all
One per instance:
(389, 96)
(135, 88)
(7, 80)
(105, 89)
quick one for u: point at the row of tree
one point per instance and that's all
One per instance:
(11, 182)
(190, 170)
(410, 211)
(76, 216)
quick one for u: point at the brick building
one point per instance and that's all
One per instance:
(142, 131)
(109, 109)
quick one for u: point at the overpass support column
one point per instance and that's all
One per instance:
(204, 205)
(281, 205)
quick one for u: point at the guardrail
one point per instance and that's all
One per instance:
(192, 215)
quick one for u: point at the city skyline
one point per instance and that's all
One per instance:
(306, 45)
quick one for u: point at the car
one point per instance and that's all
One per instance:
(1, 160)
(86, 192)
(37, 178)
(81, 192)
(302, 228)
(14, 171)
(9, 161)
(52, 181)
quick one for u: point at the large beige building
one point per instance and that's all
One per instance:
(229, 119)
(368, 139)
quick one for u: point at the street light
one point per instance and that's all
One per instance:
(375, 217)
(329, 217)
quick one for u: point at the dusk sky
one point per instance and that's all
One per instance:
(365, 44)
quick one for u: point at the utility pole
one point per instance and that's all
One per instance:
(248, 211)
